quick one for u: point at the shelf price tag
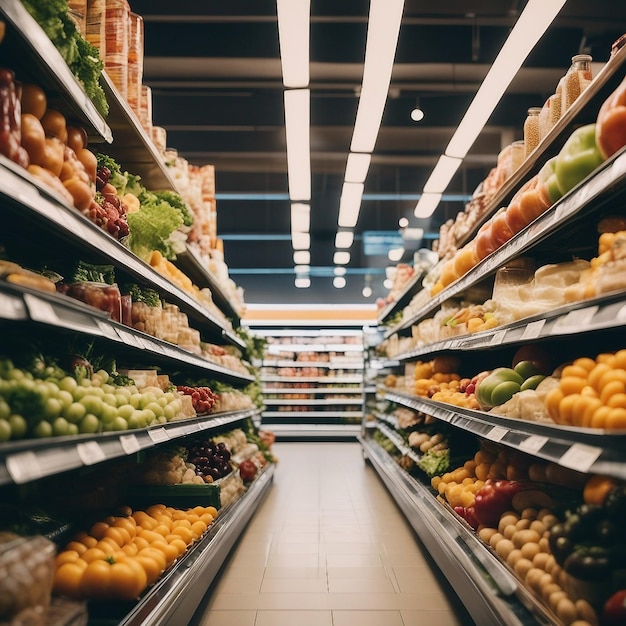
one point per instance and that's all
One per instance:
(497, 433)
(11, 307)
(533, 330)
(129, 443)
(566, 207)
(533, 443)
(40, 310)
(158, 435)
(580, 457)
(107, 330)
(128, 338)
(619, 166)
(575, 320)
(90, 452)
(498, 338)
(23, 466)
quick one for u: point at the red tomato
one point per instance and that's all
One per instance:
(615, 609)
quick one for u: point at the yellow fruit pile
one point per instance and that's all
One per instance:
(591, 393)
(428, 381)
(451, 394)
(120, 556)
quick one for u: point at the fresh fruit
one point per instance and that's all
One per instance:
(488, 385)
(532, 382)
(526, 369)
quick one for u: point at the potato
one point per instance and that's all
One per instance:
(549, 589)
(522, 524)
(494, 539)
(586, 612)
(566, 610)
(538, 527)
(532, 578)
(485, 534)
(508, 519)
(513, 557)
(504, 547)
(541, 560)
(522, 567)
(525, 536)
(555, 598)
(530, 551)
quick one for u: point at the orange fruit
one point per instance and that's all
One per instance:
(67, 579)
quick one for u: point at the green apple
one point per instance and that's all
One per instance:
(89, 424)
(504, 392)
(42, 429)
(155, 407)
(18, 425)
(52, 408)
(5, 409)
(108, 414)
(486, 387)
(60, 427)
(65, 398)
(5, 429)
(119, 423)
(68, 384)
(74, 412)
(110, 399)
(126, 410)
(526, 369)
(92, 404)
(532, 382)
(136, 419)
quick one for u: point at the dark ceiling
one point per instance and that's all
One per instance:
(217, 89)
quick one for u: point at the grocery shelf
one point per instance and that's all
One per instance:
(307, 402)
(174, 599)
(61, 311)
(193, 266)
(601, 313)
(27, 460)
(315, 431)
(133, 149)
(328, 364)
(611, 174)
(399, 443)
(489, 591)
(412, 287)
(313, 414)
(582, 111)
(313, 347)
(310, 379)
(582, 449)
(313, 390)
(19, 188)
(54, 76)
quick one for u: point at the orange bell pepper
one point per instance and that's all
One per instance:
(611, 122)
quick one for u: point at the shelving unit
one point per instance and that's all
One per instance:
(489, 588)
(312, 367)
(38, 218)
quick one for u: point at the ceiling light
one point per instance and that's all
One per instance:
(382, 38)
(427, 204)
(302, 269)
(403, 222)
(300, 218)
(529, 28)
(293, 34)
(341, 258)
(395, 254)
(417, 115)
(413, 234)
(302, 257)
(442, 174)
(301, 241)
(350, 204)
(357, 166)
(302, 282)
(367, 292)
(344, 239)
(297, 128)
(339, 271)
(339, 282)
(391, 271)
(387, 283)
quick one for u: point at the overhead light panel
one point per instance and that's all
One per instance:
(367, 292)
(344, 239)
(442, 174)
(339, 282)
(293, 35)
(302, 282)
(302, 257)
(300, 217)
(529, 28)
(341, 258)
(297, 127)
(382, 38)
(427, 204)
(395, 254)
(413, 234)
(301, 241)
(350, 204)
(357, 166)
(302, 269)
(339, 271)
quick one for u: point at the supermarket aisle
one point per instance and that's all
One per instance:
(328, 547)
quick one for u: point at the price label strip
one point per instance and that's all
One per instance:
(158, 435)
(533, 330)
(129, 443)
(23, 467)
(12, 307)
(90, 452)
(40, 310)
(580, 457)
(533, 443)
(107, 330)
(129, 338)
(575, 320)
(498, 338)
(497, 433)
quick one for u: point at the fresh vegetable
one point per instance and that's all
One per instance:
(115, 176)
(95, 273)
(611, 122)
(549, 180)
(151, 229)
(493, 499)
(82, 58)
(614, 611)
(176, 201)
(10, 124)
(247, 471)
(143, 294)
(435, 462)
(578, 158)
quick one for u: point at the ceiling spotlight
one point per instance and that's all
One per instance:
(341, 258)
(302, 269)
(302, 283)
(403, 222)
(395, 254)
(339, 282)
(339, 271)
(302, 257)
(367, 292)
(417, 115)
(388, 283)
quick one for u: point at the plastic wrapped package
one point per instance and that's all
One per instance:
(94, 26)
(78, 12)
(26, 571)
(135, 61)
(105, 297)
(145, 109)
(117, 17)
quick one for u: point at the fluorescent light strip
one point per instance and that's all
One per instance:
(293, 34)
(300, 218)
(529, 28)
(302, 269)
(350, 204)
(339, 271)
(442, 174)
(302, 283)
(357, 166)
(341, 258)
(339, 282)
(297, 127)
(302, 257)
(301, 241)
(344, 239)
(383, 29)
(427, 204)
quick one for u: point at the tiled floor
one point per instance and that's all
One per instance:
(328, 547)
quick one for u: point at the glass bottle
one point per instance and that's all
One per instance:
(531, 130)
(576, 80)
